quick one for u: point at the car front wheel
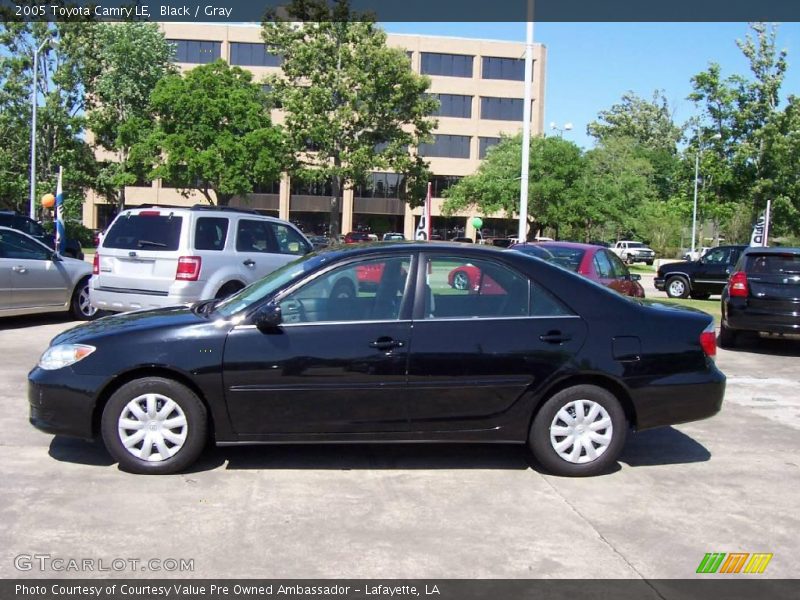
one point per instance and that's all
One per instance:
(677, 287)
(578, 432)
(154, 426)
(461, 281)
(80, 307)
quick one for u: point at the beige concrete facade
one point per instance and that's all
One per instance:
(285, 205)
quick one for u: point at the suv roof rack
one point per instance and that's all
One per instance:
(236, 209)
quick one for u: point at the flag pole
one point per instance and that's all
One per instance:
(522, 233)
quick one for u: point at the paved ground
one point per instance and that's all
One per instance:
(724, 485)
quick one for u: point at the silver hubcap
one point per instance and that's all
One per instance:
(83, 302)
(677, 287)
(152, 427)
(460, 281)
(581, 431)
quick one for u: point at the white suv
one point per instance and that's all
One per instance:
(154, 256)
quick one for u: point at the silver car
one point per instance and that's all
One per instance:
(34, 279)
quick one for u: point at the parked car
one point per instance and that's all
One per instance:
(318, 242)
(393, 237)
(356, 237)
(71, 247)
(762, 294)
(555, 361)
(162, 256)
(697, 254)
(633, 252)
(463, 240)
(35, 279)
(698, 279)
(593, 262)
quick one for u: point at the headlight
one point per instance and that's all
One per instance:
(63, 355)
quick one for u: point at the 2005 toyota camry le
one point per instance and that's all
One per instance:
(528, 353)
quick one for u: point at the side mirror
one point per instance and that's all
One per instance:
(268, 317)
(635, 277)
(56, 257)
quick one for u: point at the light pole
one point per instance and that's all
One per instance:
(716, 136)
(34, 80)
(561, 130)
(522, 231)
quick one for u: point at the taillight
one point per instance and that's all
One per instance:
(708, 341)
(188, 268)
(737, 285)
(96, 264)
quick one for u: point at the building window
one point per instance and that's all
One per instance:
(311, 188)
(502, 109)
(273, 187)
(451, 65)
(484, 143)
(253, 55)
(503, 68)
(439, 183)
(381, 185)
(454, 105)
(196, 51)
(449, 146)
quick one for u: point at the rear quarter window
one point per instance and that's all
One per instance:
(144, 232)
(210, 233)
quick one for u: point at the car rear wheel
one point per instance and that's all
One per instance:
(80, 307)
(228, 289)
(727, 337)
(154, 425)
(677, 287)
(649, 263)
(461, 281)
(578, 432)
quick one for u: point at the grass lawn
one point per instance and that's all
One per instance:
(642, 268)
(711, 306)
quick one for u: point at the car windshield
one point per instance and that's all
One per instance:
(569, 258)
(266, 287)
(635, 245)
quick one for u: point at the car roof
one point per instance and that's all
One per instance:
(554, 244)
(772, 250)
(201, 209)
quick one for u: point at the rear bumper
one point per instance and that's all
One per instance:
(740, 317)
(122, 300)
(679, 399)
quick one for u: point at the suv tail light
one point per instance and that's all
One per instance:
(737, 285)
(96, 264)
(708, 341)
(188, 268)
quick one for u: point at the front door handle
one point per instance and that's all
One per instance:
(19, 269)
(249, 263)
(555, 337)
(386, 343)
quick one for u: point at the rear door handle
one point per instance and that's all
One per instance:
(386, 343)
(555, 337)
(249, 263)
(19, 269)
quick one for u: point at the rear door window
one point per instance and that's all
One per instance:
(210, 233)
(145, 231)
(255, 236)
(603, 266)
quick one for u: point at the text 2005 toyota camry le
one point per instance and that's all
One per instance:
(528, 353)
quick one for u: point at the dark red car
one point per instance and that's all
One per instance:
(593, 262)
(356, 237)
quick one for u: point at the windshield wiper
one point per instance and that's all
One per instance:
(141, 243)
(204, 306)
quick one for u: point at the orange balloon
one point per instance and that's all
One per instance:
(48, 201)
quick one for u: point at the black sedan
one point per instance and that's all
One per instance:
(543, 357)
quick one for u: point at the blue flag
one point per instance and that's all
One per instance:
(61, 233)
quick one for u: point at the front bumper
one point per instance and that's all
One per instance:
(660, 283)
(63, 402)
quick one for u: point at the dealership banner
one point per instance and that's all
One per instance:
(395, 589)
(240, 11)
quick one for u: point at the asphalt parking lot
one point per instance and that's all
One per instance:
(728, 484)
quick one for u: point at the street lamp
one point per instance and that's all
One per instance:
(716, 136)
(34, 80)
(560, 130)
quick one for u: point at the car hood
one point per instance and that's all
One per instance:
(130, 322)
(681, 265)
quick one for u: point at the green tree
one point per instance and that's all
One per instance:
(133, 58)
(348, 98)
(67, 69)
(214, 133)
(556, 167)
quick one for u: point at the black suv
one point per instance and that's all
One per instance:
(27, 225)
(699, 278)
(762, 295)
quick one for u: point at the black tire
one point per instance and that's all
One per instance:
(629, 259)
(228, 289)
(343, 289)
(696, 296)
(461, 280)
(543, 447)
(193, 432)
(728, 338)
(649, 263)
(677, 287)
(79, 306)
